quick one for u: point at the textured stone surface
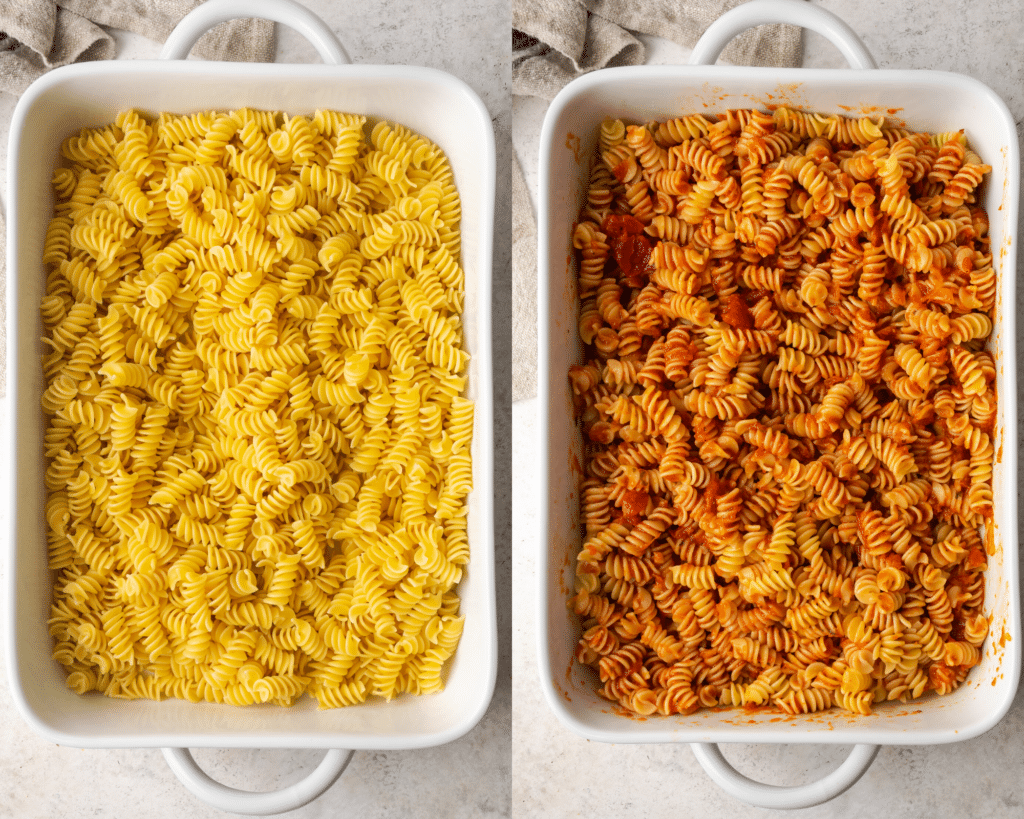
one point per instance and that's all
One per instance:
(556, 773)
(467, 778)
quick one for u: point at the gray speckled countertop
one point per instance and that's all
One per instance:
(469, 777)
(558, 774)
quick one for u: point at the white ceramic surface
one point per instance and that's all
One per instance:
(92, 94)
(929, 101)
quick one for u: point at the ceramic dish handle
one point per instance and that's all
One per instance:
(778, 797)
(213, 12)
(248, 803)
(793, 12)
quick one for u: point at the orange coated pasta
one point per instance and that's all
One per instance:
(788, 411)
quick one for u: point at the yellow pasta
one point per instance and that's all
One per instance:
(259, 452)
(789, 413)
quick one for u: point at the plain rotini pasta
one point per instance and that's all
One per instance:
(259, 449)
(788, 411)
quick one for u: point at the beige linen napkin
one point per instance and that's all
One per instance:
(44, 34)
(555, 41)
(37, 35)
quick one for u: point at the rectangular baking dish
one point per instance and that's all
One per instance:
(924, 100)
(432, 103)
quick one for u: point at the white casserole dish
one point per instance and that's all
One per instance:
(925, 100)
(435, 104)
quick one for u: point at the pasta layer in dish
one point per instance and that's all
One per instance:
(788, 411)
(259, 449)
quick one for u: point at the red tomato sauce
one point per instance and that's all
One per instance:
(634, 504)
(736, 314)
(630, 248)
